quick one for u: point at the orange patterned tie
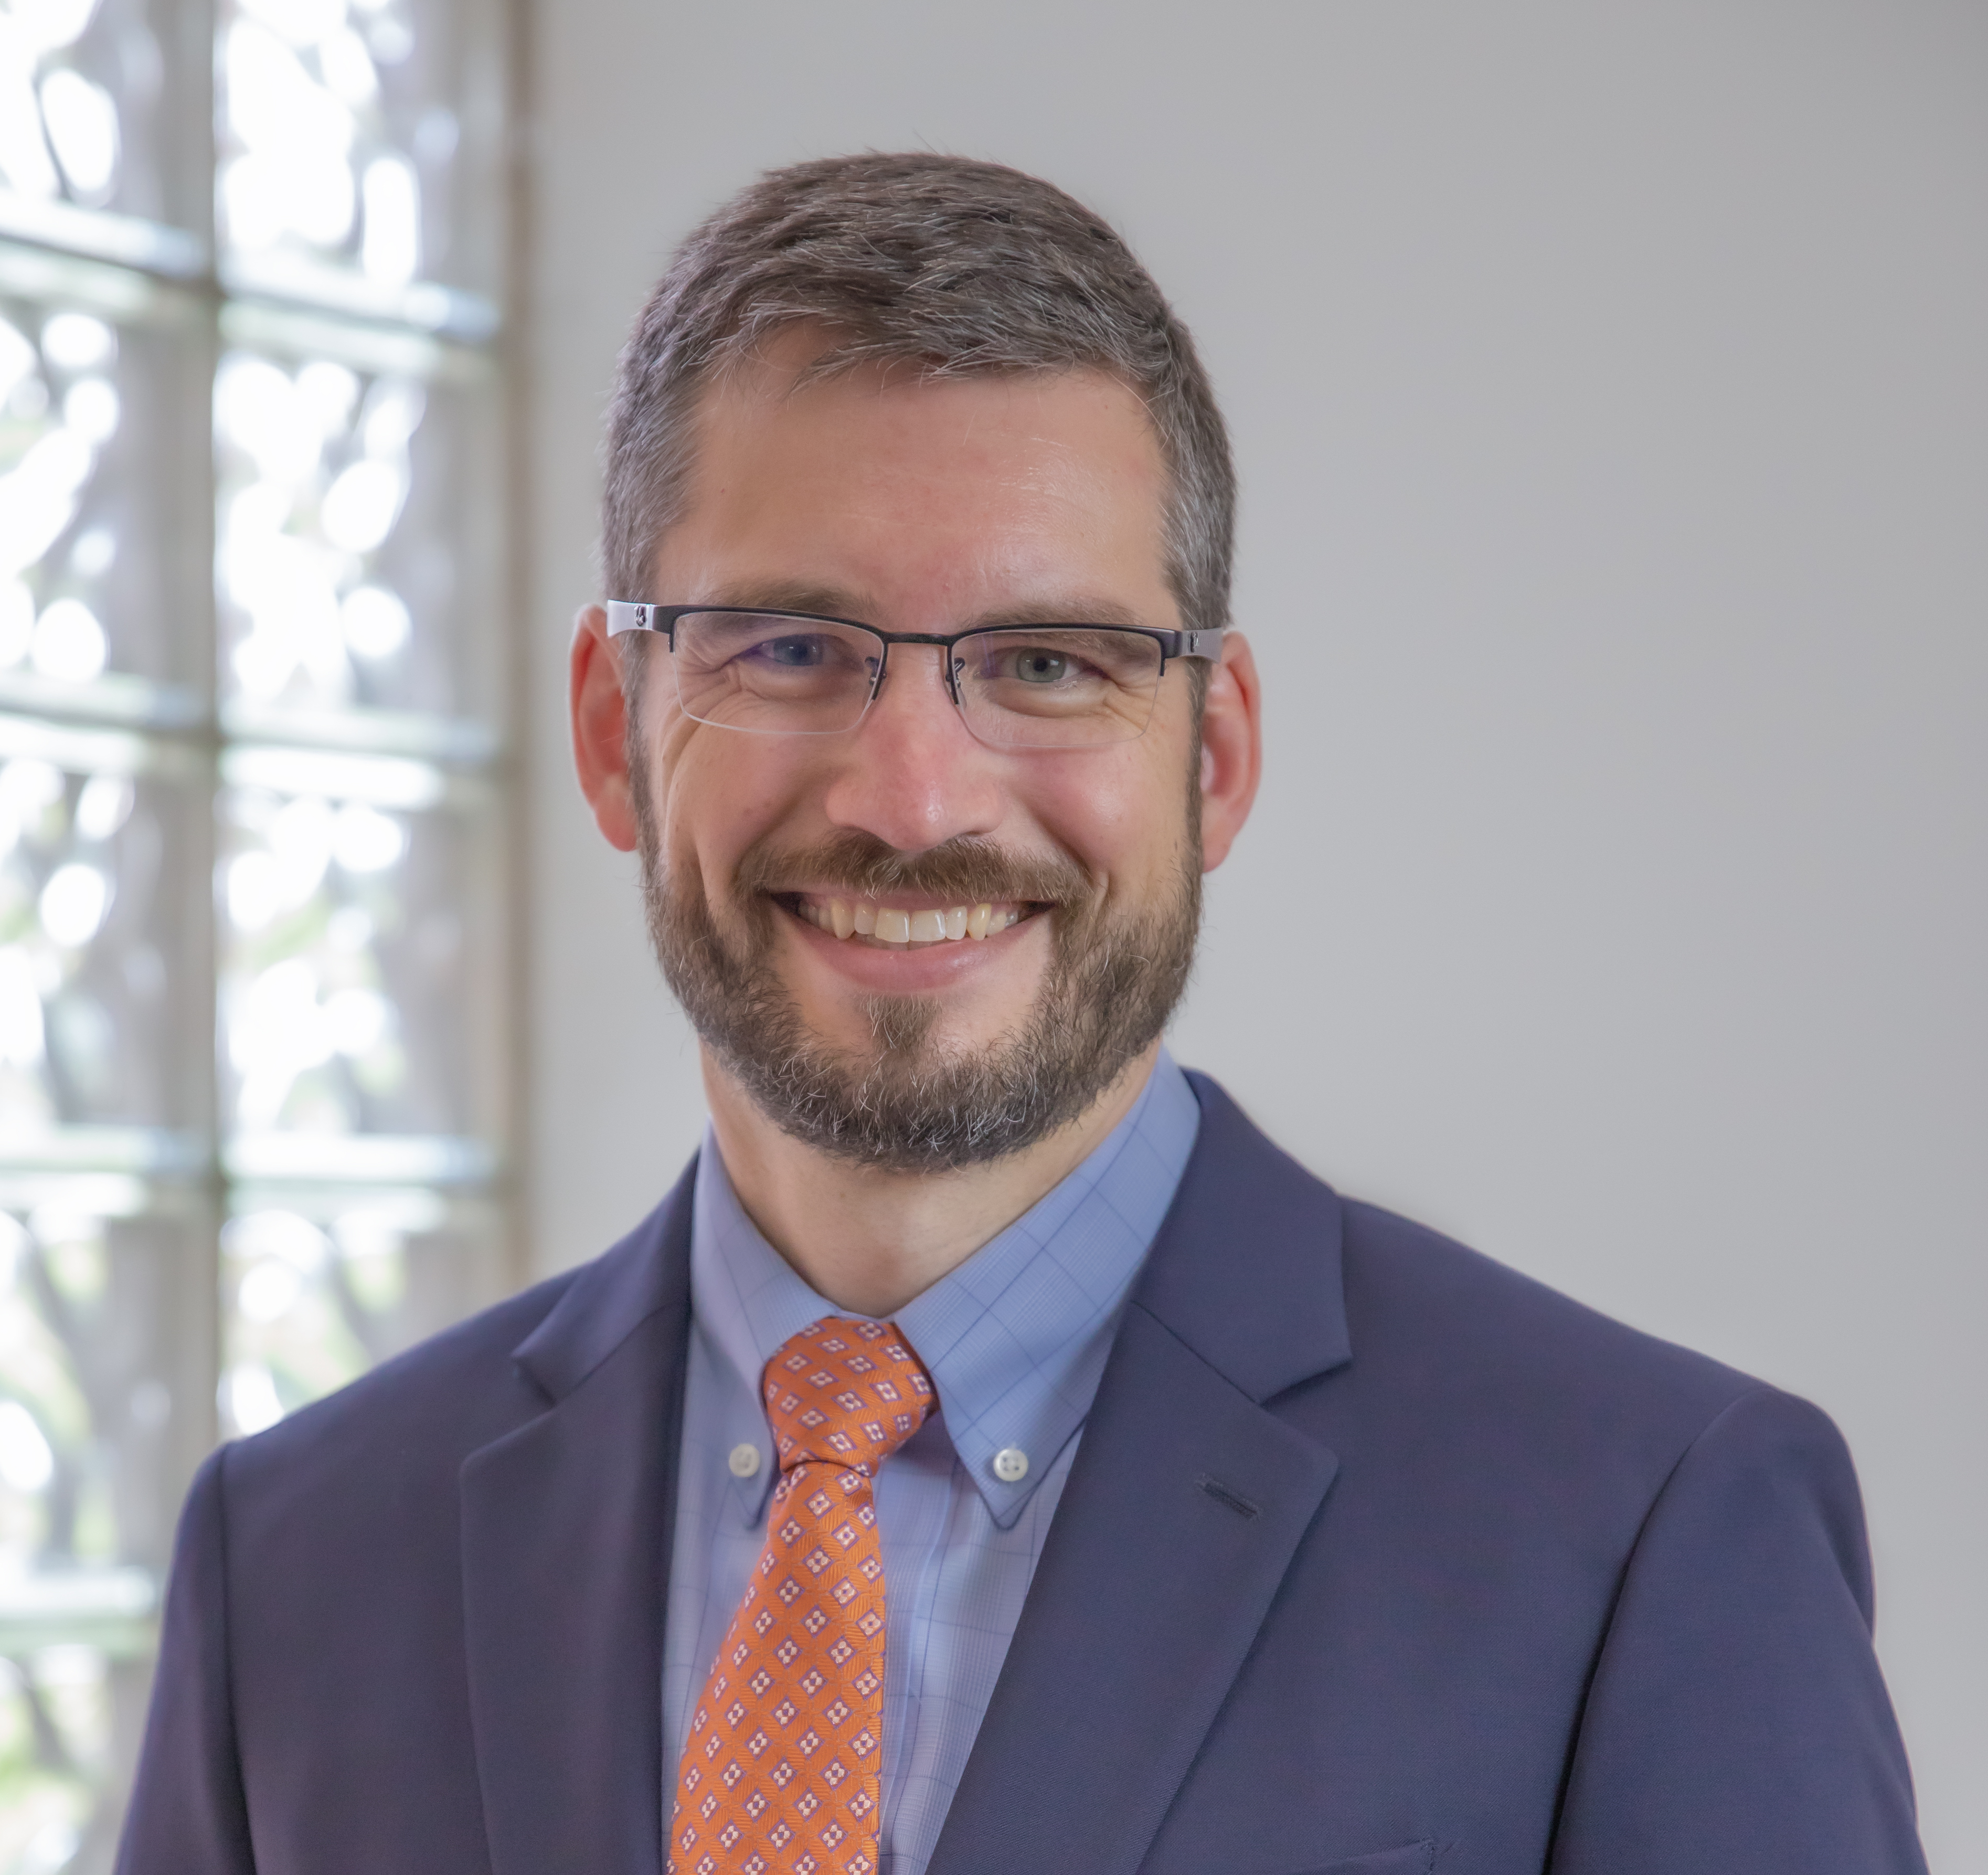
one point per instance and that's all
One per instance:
(780, 1773)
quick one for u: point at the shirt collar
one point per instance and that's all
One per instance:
(1015, 1339)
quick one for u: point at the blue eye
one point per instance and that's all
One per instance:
(794, 653)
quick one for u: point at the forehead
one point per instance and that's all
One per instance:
(919, 492)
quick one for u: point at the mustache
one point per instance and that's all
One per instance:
(970, 869)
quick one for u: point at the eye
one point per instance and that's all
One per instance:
(794, 654)
(1039, 664)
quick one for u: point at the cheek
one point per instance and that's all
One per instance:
(1125, 817)
(720, 795)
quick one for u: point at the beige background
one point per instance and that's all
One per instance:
(1609, 387)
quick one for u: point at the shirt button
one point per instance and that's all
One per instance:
(1011, 1464)
(744, 1461)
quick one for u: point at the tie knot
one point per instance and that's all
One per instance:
(845, 1393)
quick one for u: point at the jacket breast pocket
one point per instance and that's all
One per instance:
(1410, 1859)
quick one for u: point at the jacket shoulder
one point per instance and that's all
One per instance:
(417, 1416)
(1468, 1371)
(1409, 1288)
(421, 1412)
(1391, 1309)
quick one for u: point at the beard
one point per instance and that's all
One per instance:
(912, 1100)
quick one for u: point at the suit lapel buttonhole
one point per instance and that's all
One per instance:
(1229, 1500)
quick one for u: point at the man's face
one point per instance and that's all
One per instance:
(925, 507)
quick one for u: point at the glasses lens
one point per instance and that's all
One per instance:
(772, 675)
(1065, 688)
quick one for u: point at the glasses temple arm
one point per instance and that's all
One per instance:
(629, 615)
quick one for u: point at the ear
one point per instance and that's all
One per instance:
(1231, 749)
(600, 728)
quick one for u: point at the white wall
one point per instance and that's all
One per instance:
(1611, 400)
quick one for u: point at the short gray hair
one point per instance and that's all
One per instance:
(957, 267)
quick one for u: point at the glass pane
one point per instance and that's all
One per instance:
(105, 1346)
(102, 518)
(58, 1713)
(358, 953)
(86, 92)
(102, 997)
(353, 551)
(358, 149)
(318, 1286)
(337, 478)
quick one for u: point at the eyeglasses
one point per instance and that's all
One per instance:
(1016, 686)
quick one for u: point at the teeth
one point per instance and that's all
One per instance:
(888, 925)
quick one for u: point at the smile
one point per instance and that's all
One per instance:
(895, 927)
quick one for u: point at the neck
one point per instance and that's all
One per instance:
(871, 1240)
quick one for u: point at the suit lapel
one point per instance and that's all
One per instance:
(566, 1535)
(1186, 1502)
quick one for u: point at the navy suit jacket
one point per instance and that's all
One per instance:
(1376, 1558)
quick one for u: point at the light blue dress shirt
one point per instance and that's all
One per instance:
(1015, 1340)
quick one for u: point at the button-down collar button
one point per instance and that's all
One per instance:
(744, 1461)
(1011, 1464)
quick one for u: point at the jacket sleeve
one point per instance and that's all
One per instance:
(187, 1815)
(1737, 1718)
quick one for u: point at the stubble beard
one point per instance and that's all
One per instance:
(914, 1101)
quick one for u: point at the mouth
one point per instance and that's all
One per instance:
(904, 924)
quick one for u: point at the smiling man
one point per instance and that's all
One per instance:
(994, 1455)
(923, 787)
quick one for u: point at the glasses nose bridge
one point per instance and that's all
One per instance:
(949, 663)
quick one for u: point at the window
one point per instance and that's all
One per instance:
(253, 652)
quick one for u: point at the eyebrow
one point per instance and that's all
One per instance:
(833, 602)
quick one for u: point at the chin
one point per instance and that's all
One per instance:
(912, 1031)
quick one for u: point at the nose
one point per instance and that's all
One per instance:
(912, 774)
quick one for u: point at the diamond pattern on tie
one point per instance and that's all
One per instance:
(780, 1776)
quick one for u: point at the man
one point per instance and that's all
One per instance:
(994, 1455)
